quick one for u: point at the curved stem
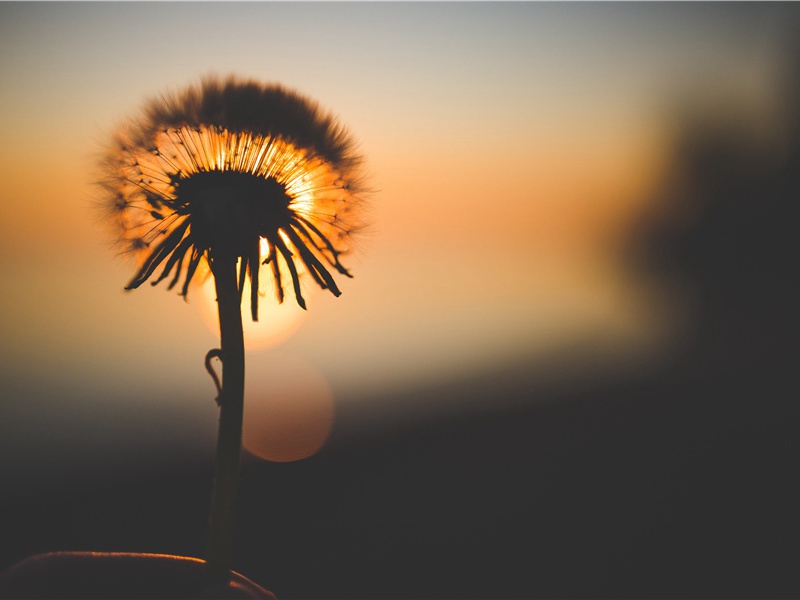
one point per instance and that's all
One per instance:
(219, 555)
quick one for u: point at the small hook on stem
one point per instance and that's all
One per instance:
(215, 353)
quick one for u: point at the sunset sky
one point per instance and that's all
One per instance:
(510, 146)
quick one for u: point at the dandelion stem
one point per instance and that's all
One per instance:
(219, 555)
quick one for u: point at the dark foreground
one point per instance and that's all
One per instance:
(680, 485)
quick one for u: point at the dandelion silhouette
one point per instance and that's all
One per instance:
(239, 180)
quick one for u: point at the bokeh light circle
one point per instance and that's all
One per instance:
(289, 408)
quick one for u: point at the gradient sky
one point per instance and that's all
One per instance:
(511, 146)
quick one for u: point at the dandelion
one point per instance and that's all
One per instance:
(235, 180)
(235, 169)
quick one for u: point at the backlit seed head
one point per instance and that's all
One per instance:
(235, 170)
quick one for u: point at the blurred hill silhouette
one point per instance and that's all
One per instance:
(679, 483)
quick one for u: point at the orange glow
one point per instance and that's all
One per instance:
(277, 322)
(308, 180)
(288, 409)
(148, 190)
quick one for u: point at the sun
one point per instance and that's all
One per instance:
(277, 323)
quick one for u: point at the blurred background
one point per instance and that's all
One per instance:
(565, 366)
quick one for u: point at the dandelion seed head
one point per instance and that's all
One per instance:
(235, 169)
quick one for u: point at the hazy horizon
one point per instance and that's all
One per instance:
(511, 147)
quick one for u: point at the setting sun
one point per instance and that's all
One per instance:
(276, 323)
